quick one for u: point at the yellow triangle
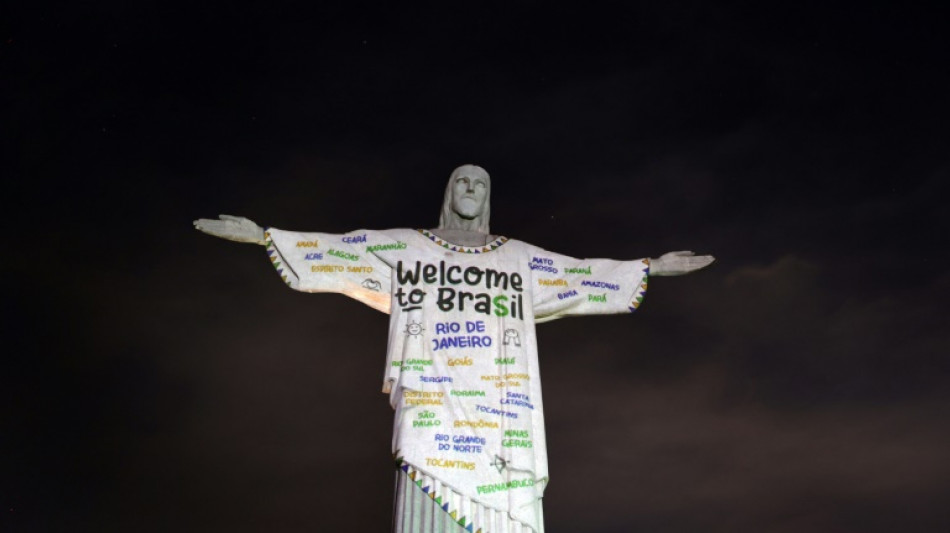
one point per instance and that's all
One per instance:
(454, 515)
(412, 475)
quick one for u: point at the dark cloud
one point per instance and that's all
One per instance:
(685, 458)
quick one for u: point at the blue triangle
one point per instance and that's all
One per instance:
(469, 528)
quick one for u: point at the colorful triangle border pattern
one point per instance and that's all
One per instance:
(464, 249)
(275, 258)
(642, 289)
(461, 520)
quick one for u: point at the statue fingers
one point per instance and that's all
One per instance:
(241, 224)
(700, 261)
(205, 222)
(231, 228)
(211, 227)
(675, 256)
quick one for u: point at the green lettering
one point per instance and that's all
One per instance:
(500, 309)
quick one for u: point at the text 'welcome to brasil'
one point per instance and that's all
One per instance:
(449, 298)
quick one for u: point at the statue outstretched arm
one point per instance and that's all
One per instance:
(679, 263)
(232, 228)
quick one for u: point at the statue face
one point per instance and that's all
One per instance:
(469, 191)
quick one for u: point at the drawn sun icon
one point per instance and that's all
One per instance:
(414, 328)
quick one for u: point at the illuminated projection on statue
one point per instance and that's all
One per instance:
(462, 362)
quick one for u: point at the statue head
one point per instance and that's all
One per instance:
(466, 205)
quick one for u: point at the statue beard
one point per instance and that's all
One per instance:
(468, 208)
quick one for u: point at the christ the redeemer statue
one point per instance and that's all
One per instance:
(462, 365)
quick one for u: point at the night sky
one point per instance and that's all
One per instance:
(157, 379)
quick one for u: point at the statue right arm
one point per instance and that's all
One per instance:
(232, 228)
(567, 286)
(326, 262)
(318, 262)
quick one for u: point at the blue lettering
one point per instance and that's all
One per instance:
(355, 239)
(600, 285)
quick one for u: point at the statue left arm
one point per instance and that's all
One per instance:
(326, 262)
(565, 286)
(679, 263)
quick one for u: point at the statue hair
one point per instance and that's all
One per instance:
(448, 213)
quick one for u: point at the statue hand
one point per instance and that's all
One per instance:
(232, 228)
(679, 263)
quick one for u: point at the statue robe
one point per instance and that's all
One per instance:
(462, 362)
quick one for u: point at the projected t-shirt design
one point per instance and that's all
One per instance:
(462, 364)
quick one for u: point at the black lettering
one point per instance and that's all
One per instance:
(477, 272)
(448, 274)
(446, 299)
(409, 276)
(483, 303)
(399, 295)
(428, 274)
(462, 296)
(500, 279)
